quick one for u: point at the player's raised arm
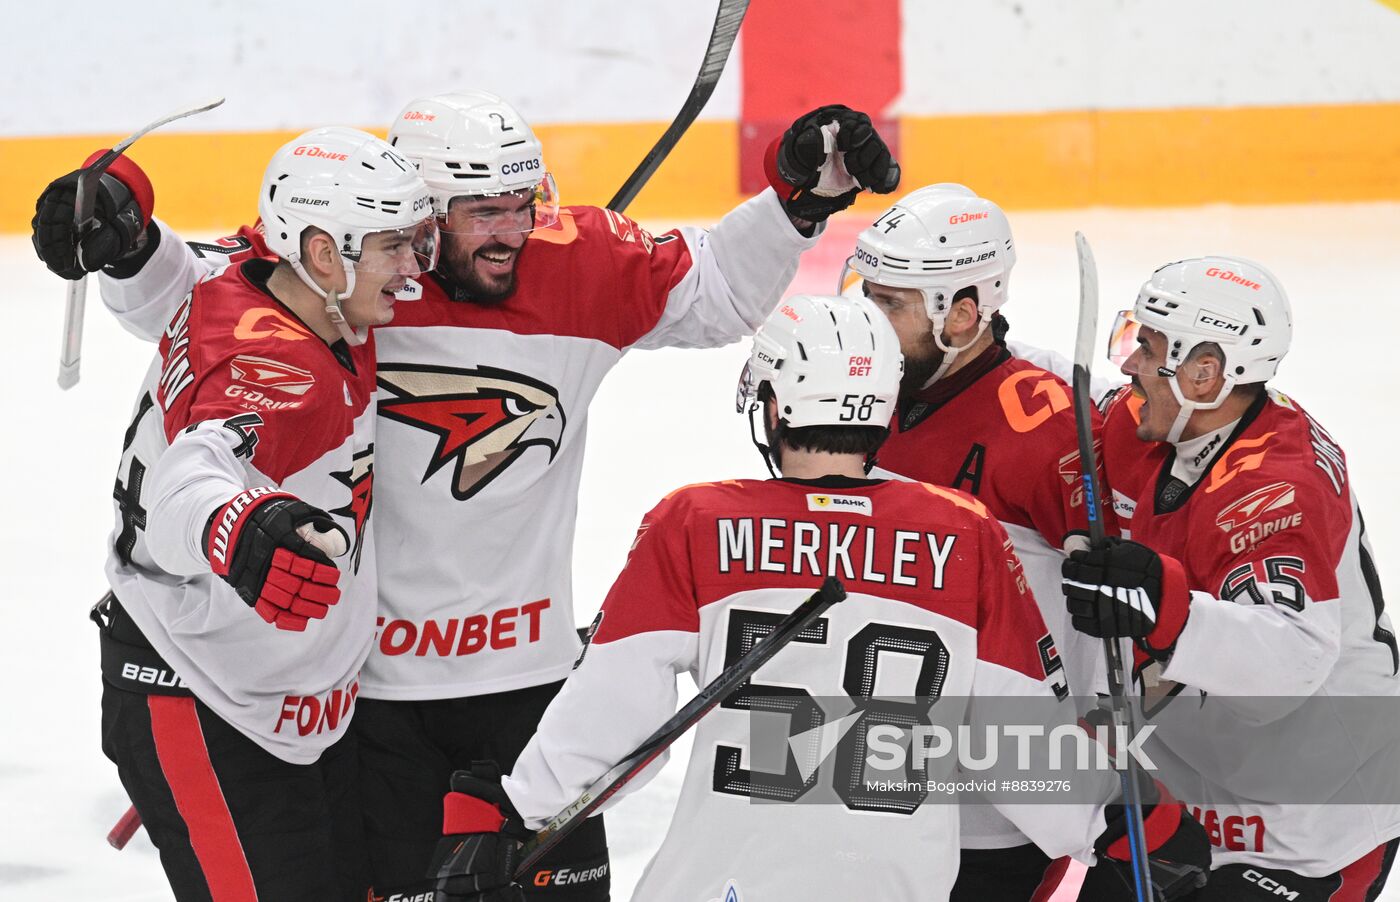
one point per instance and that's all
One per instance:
(709, 288)
(144, 269)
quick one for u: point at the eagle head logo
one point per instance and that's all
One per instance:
(484, 418)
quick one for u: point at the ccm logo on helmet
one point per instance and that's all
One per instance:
(1210, 319)
(1228, 276)
(311, 150)
(960, 218)
(521, 166)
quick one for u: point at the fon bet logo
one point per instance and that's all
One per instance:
(484, 418)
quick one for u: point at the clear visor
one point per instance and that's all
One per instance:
(502, 212)
(746, 393)
(408, 252)
(1123, 339)
(851, 281)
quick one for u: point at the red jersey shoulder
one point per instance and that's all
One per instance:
(1032, 400)
(1284, 476)
(592, 274)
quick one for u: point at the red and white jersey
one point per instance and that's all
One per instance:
(1284, 602)
(1002, 429)
(936, 607)
(483, 416)
(1129, 463)
(244, 395)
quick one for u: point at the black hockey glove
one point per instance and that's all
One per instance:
(122, 212)
(796, 161)
(1126, 590)
(1178, 850)
(253, 543)
(476, 858)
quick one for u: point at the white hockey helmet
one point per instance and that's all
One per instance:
(349, 184)
(471, 143)
(1234, 303)
(940, 239)
(831, 361)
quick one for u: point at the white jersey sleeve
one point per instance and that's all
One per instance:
(741, 268)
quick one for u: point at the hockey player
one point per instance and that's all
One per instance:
(1248, 574)
(241, 569)
(975, 417)
(934, 596)
(485, 388)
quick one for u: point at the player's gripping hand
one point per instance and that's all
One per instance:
(125, 199)
(274, 549)
(476, 858)
(1178, 850)
(825, 159)
(1123, 589)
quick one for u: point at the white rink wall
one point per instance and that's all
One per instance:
(80, 67)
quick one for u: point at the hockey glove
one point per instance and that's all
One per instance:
(125, 199)
(476, 858)
(814, 183)
(1178, 851)
(1126, 590)
(258, 542)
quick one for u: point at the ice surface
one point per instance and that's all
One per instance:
(661, 420)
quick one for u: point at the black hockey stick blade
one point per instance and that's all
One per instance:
(728, 18)
(606, 786)
(1123, 714)
(86, 200)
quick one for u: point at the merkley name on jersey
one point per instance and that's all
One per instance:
(901, 557)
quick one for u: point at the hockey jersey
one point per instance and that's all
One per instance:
(483, 416)
(244, 395)
(1002, 429)
(1285, 602)
(1129, 463)
(936, 607)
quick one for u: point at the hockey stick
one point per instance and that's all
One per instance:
(84, 206)
(728, 18)
(125, 828)
(1123, 716)
(573, 816)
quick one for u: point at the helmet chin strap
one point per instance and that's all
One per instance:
(770, 458)
(353, 337)
(1190, 407)
(950, 352)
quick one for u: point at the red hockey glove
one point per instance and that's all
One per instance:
(1178, 851)
(476, 858)
(1126, 590)
(254, 544)
(125, 200)
(798, 159)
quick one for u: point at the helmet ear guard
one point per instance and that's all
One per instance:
(350, 185)
(829, 361)
(940, 239)
(1232, 303)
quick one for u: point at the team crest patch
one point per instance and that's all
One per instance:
(851, 504)
(266, 373)
(484, 418)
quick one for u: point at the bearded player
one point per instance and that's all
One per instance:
(1250, 591)
(484, 394)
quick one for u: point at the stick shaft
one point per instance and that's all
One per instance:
(566, 821)
(728, 18)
